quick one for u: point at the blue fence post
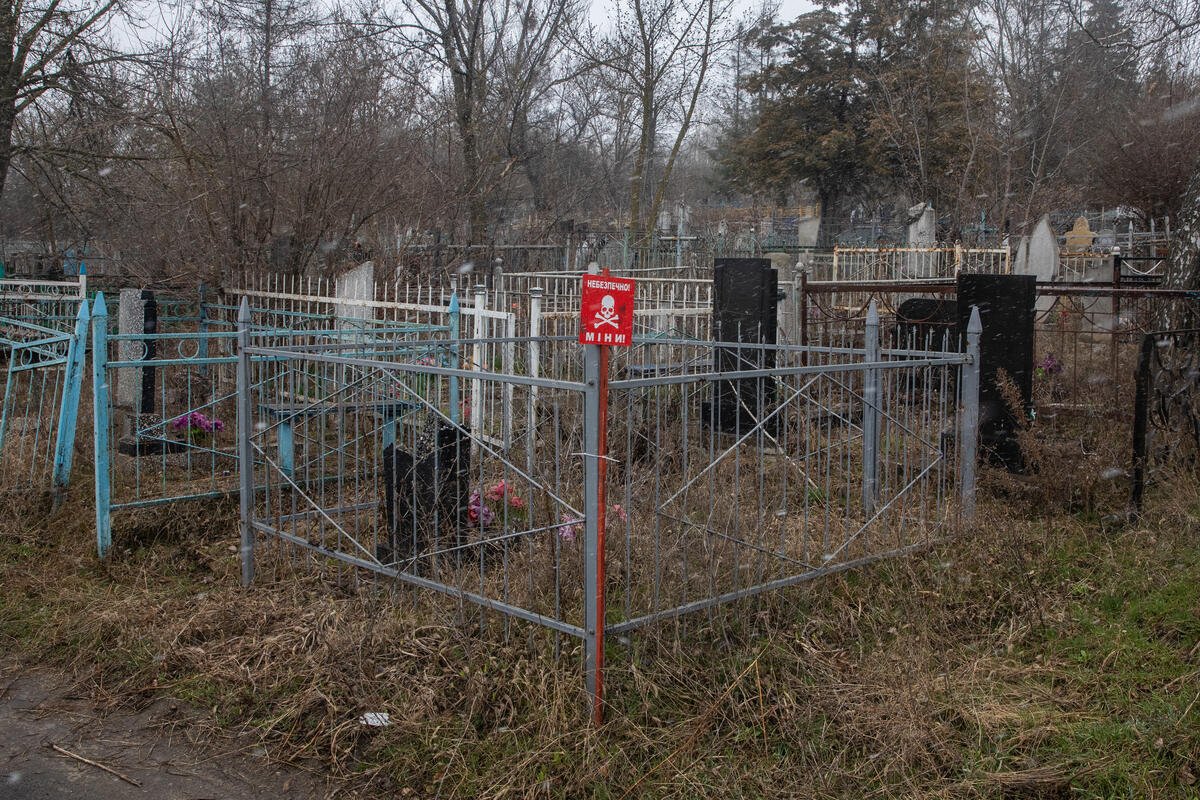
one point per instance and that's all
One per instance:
(100, 427)
(287, 446)
(68, 415)
(455, 323)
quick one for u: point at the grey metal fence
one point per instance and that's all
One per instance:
(704, 473)
(1166, 417)
(48, 304)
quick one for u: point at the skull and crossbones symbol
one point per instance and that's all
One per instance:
(607, 315)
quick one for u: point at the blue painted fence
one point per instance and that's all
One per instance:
(39, 408)
(165, 405)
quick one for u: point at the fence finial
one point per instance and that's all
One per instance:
(872, 314)
(100, 309)
(454, 309)
(244, 310)
(975, 325)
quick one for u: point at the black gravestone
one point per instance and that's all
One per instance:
(1006, 309)
(927, 323)
(745, 300)
(150, 327)
(425, 493)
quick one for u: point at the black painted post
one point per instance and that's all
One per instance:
(1141, 413)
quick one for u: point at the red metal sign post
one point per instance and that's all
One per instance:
(606, 320)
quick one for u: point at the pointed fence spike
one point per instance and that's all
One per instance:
(975, 325)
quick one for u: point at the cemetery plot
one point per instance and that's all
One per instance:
(733, 469)
(164, 402)
(390, 475)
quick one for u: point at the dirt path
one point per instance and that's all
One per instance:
(38, 710)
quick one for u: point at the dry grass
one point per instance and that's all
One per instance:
(1033, 657)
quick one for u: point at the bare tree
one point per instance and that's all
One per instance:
(42, 44)
(659, 57)
(498, 56)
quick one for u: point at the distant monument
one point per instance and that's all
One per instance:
(1037, 255)
(1079, 238)
(922, 235)
(808, 226)
(357, 283)
(922, 232)
(1038, 252)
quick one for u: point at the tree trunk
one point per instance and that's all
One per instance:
(1183, 266)
(8, 118)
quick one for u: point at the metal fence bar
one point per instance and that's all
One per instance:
(477, 359)
(593, 569)
(1141, 413)
(870, 425)
(69, 413)
(100, 427)
(245, 429)
(968, 432)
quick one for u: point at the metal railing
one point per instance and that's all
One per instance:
(718, 470)
(164, 406)
(1166, 433)
(43, 378)
(913, 263)
(50, 304)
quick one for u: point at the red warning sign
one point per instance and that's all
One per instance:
(607, 310)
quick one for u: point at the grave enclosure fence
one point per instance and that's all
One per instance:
(1166, 420)
(449, 442)
(163, 399)
(731, 470)
(1094, 372)
(43, 340)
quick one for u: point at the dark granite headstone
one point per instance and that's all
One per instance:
(745, 301)
(149, 326)
(425, 492)
(927, 323)
(1006, 309)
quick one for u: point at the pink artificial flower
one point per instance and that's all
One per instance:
(515, 502)
(620, 512)
(570, 528)
(478, 513)
(497, 491)
(197, 421)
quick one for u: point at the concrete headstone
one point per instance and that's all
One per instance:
(1037, 255)
(357, 283)
(781, 261)
(808, 229)
(922, 232)
(131, 319)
